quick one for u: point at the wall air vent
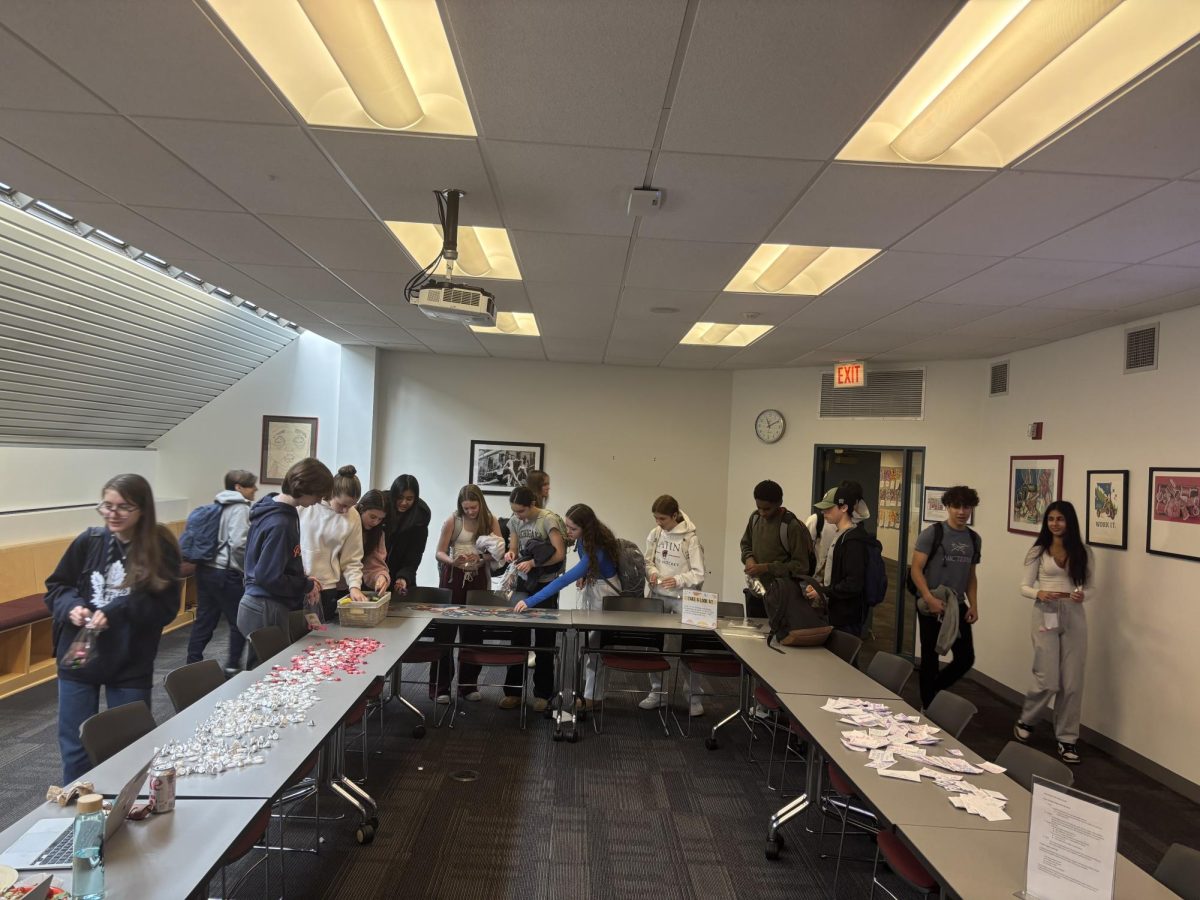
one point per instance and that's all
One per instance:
(898, 394)
(1141, 348)
(998, 384)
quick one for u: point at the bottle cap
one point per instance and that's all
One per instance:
(89, 803)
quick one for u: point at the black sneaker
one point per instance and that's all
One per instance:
(1068, 754)
(1022, 732)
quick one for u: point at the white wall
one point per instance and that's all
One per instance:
(301, 380)
(615, 438)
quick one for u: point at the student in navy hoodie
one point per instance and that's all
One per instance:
(275, 579)
(121, 582)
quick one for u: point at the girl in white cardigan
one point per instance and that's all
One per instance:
(1058, 577)
(674, 563)
(331, 541)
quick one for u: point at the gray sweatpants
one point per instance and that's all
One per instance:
(1059, 657)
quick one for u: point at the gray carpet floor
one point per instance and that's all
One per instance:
(628, 813)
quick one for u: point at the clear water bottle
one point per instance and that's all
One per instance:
(87, 856)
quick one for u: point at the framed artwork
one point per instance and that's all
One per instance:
(1108, 508)
(1173, 519)
(285, 440)
(931, 506)
(1034, 482)
(499, 466)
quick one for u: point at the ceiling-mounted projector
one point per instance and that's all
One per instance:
(448, 300)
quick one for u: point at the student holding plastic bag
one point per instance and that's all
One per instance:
(113, 592)
(275, 579)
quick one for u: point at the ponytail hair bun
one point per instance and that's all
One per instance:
(347, 471)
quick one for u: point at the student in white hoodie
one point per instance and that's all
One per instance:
(674, 563)
(331, 542)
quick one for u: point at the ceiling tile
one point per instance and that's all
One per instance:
(149, 58)
(843, 314)
(446, 337)
(534, 76)
(685, 265)
(28, 174)
(723, 198)
(1182, 300)
(139, 231)
(637, 303)
(345, 243)
(583, 258)
(1019, 321)
(226, 276)
(386, 291)
(792, 79)
(1184, 256)
(1018, 280)
(510, 295)
(1016, 210)
(267, 168)
(233, 237)
(927, 317)
(574, 351)
(353, 316)
(1161, 221)
(506, 346)
(573, 310)
(872, 206)
(385, 335)
(302, 283)
(398, 173)
(30, 82)
(580, 190)
(759, 309)
(1127, 287)
(1144, 132)
(940, 347)
(690, 356)
(900, 278)
(780, 346)
(116, 159)
(866, 342)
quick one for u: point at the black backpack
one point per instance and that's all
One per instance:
(939, 532)
(792, 618)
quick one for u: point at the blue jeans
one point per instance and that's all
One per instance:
(219, 592)
(77, 702)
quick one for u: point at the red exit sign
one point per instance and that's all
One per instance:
(849, 374)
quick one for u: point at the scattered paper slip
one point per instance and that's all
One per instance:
(902, 774)
(993, 768)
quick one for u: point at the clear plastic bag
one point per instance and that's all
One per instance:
(82, 650)
(314, 613)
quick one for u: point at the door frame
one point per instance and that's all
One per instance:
(902, 564)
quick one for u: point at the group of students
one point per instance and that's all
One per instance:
(832, 545)
(320, 537)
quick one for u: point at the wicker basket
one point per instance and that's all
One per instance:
(353, 614)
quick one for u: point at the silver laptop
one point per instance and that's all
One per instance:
(48, 842)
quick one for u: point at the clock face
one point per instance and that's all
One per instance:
(769, 426)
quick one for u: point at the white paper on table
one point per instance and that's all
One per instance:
(880, 764)
(1072, 851)
(699, 608)
(993, 768)
(954, 752)
(902, 774)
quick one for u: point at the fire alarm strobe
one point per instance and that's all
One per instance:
(643, 201)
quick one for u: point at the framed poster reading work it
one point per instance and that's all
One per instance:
(1107, 508)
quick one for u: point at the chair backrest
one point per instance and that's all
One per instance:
(297, 625)
(189, 683)
(951, 712)
(426, 595)
(632, 604)
(108, 733)
(844, 645)
(1179, 870)
(1024, 762)
(268, 641)
(890, 670)
(728, 609)
(488, 598)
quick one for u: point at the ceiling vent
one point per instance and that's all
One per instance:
(998, 384)
(898, 394)
(1141, 348)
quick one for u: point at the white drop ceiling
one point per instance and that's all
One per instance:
(145, 119)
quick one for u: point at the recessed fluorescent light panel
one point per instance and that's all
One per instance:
(382, 64)
(796, 269)
(1004, 75)
(520, 324)
(482, 252)
(717, 334)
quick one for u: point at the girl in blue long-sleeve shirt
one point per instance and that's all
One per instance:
(595, 575)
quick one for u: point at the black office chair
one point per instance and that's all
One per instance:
(950, 712)
(189, 683)
(638, 663)
(498, 657)
(844, 645)
(1179, 871)
(1024, 762)
(425, 595)
(107, 733)
(297, 625)
(890, 670)
(268, 641)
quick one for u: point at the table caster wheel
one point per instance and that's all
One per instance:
(558, 736)
(418, 731)
(710, 743)
(574, 738)
(364, 834)
(773, 848)
(374, 822)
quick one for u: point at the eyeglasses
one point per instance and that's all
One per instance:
(121, 509)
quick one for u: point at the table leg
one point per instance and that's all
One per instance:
(792, 808)
(564, 721)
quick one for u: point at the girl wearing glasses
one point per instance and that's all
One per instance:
(120, 583)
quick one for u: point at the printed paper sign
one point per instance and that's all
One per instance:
(1072, 844)
(700, 608)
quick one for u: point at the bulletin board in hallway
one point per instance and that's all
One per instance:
(891, 497)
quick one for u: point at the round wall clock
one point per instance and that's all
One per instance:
(769, 426)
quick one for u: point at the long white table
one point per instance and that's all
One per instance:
(801, 670)
(167, 855)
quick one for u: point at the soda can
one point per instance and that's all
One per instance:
(162, 788)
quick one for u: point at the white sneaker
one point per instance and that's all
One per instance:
(761, 712)
(695, 707)
(653, 701)
(473, 696)
(443, 699)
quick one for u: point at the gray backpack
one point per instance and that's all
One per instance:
(631, 570)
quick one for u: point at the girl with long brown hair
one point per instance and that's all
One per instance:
(372, 511)
(120, 583)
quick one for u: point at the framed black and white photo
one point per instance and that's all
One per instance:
(932, 509)
(1108, 508)
(1173, 517)
(499, 466)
